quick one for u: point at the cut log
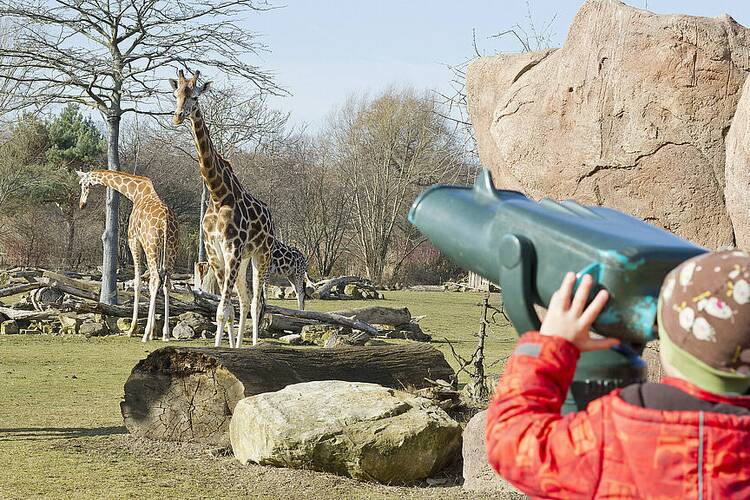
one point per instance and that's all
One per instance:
(379, 315)
(189, 393)
(281, 323)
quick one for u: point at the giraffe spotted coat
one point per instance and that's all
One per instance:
(153, 228)
(288, 262)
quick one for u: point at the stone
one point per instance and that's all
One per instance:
(42, 327)
(319, 333)
(478, 475)
(9, 327)
(275, 292)
(408, 331)
(737, 190)
(353, 290)
(630, 113)
(289, 293)
(182, 331)
(355, 429)
(93, 329)
(293, 339)
(69, 323)
(200, 324)
(123, 325)
(355, 338)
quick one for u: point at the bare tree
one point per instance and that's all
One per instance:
(388, 149)
(112, 56)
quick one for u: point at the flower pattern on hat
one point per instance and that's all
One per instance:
(705, 309)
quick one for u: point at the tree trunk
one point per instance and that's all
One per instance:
(70, 220)
(201, 243)
(189, 393)
(110, 236)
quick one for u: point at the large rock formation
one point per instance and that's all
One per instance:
(737, 191)
(365, 431)
(630, 113)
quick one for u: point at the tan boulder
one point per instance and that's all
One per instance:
(630, 113)
(737, 191)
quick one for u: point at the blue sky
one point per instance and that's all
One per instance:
(324, 50)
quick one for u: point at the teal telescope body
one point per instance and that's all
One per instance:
(527, 247)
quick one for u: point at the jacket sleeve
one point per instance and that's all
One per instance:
(528, 442)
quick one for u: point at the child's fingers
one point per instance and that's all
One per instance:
(582, 294)
(565, 291)
(592, 311)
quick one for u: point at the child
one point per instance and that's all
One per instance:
(686, 437)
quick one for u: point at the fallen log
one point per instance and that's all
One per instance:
(281, 323)
(13, 290)
(208, 301)
(189, 393)
(8, 313)
(379, 315)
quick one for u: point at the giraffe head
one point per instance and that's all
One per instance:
(86, 181)
(186, 92)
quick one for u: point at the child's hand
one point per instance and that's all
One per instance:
(572, 320)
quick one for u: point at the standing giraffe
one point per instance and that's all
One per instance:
(288, 262)
(153, 228)
(237, 227)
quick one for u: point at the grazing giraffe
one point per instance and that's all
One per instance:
(288, 262)
(153, 228)
(237, 227)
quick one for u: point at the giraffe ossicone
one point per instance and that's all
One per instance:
(153, 228)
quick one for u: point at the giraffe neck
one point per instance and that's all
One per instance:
(134, 187)
(217, 173)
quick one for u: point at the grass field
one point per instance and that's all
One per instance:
(61, 432)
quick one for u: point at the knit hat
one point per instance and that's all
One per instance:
(704, 321)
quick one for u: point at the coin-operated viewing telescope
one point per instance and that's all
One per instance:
(527, 247)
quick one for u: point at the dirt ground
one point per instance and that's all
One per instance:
(61, 433)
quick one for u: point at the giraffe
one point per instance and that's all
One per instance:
(237, 227)
(153, 228)
(288, 262)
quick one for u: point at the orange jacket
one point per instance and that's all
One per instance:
(613, 449)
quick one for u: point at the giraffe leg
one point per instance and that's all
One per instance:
(153, 288)
(241, 287)
(166, 285)
(299, 287)
(216, 263)
(232, 265)
(260, 277)
(135, 251)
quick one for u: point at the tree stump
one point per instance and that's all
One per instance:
(189, 393)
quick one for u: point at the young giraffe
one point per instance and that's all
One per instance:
(152, 227)
(288, 262)
(237, 227)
